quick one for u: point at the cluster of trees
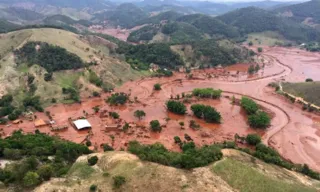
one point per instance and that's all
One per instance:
(118, 99)
(257, 118)
(207, 93)
(50, 57)
(95, 79)
(176, 107)
(7, 109)
(163, 73)
(33, 152)
(206, 112)
(158, 53)
(253, 69)
(146, 33)
(191, 156)
(155, 126)
(73, 92)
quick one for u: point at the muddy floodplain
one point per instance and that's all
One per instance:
(294, 133)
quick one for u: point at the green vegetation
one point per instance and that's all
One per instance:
(93, 188)
(93, 160)
(176, 107)
(207, 93)
(155, 126)
(52, 58)
(6, 26)
(246, 177)
(249, 105)
(118, 181)
(208, 113)
(95, 79)
(191, 156)
(309, 80)
(253, 139)
(259, 120)
(157, 87)
(182, 32)
(309, 91)
(118, 99)
(145, 33)
(159, 53)
(114, 115)
(139, 114)
(33, 151)
(259, 49)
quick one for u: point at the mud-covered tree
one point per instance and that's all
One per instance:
(139, 114)
(155, 126)
(176, 107)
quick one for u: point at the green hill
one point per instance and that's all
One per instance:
(20, 15)
(300, 12)
(250, 20)
(165, 16)
(6, 26)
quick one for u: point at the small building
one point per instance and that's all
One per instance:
(40, 123)
(82, 124)
(17, 121)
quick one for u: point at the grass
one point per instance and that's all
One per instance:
(81, 170)
(245, 178)
(64, 79)
(266, 38)
(309, 91)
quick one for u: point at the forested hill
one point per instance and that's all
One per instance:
(6, 26)
(251, 19)
(302, 11)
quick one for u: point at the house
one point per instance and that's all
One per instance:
(82, 124)
(40, 123)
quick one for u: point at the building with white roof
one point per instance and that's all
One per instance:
(82, 124)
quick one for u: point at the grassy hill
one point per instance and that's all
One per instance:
(300, 12)
(309, 91)
(236, 172)
(110, 70)
(251, 20)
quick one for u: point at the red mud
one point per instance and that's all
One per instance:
(294, 133)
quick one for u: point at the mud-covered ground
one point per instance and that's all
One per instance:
(293, 132)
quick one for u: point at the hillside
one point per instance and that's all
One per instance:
(250, 20)
(125, 15)
(307, 11)
(107, 68)
(309, 91)
(236, 172)
(7, 26)
(19, 15)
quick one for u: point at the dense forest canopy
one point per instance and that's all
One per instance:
(50, 57)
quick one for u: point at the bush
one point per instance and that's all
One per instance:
(93, 160)
(3, 121)
(107, 147)
(139, 114)
(31, 179)
(259, 120)
(250, 106)
(260, 49)
(114, 115)
(93, 188)
(194, 125)
(207, 93)
(177, 140)
(157, 87)
(45, 172)
(309, 80)
(155, 126)
(253, 139)
(118, 98)
(176, 107)
(191, 157)
(48, 76)
(208, 113)
(118, 181)
(96, 94)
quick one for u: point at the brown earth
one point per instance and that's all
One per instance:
(294, 133)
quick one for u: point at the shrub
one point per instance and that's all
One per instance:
(208, 113)
(96, 109)
(253, 139)
(207, 93)
(125, 127)
(31, 179)
(157, 87)
(45, 172)
(176, 107)
(259, 120)
(118, 181)
(250, 43)
(139, 114)
(194, 125)
(3, 121)
(118, 98)
(96, 94)
(114, 115)
(88, 143)
(155, 126)
(93, 188)
(250, 106)
(309, 80)
(177, 140)
(260, 49)
(107, 147)
(48, 76)
(93, 160)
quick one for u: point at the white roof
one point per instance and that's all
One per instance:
(82, 123)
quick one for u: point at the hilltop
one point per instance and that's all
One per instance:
(237, 171)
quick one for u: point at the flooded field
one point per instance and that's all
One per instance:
(293, 132)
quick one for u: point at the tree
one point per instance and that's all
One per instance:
(48, 76)
(176, 107)
(181, 123)
(250, 43)
(251, 69)
(157, 87)
(45, 172)
(107, 147)
(155, 126)
(96, 109)
(260, 49)
(125, 127)
(118, 181)
(257, 68)
(249, 105)
(31, 179)
(93, 188)
(114, 115)
(253, 139)
(309, 80)
(139, 114)
(93, 160)
(208, 113)
(177, 140)
(259, 120)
